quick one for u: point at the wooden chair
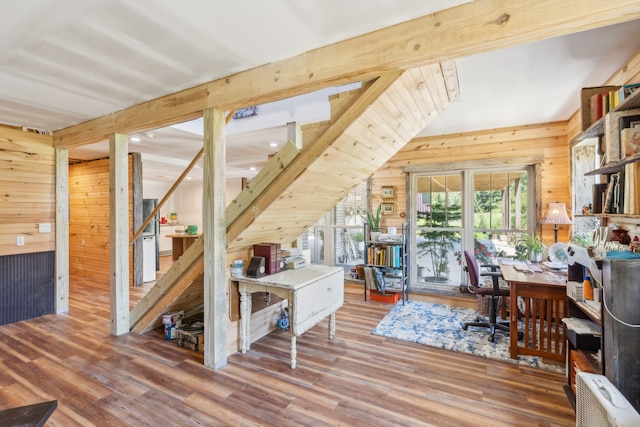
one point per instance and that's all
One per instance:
(493, 292)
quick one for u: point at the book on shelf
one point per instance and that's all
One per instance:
(610, 195)
(593, 106)
(627, 90)
(389, 256)
(632, 188)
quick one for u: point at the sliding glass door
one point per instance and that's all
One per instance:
(438, 227)
(483, 211)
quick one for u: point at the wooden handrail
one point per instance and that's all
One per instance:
(173, 187)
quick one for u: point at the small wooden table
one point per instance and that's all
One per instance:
(544, 297)
(180, 243)
(314, 292)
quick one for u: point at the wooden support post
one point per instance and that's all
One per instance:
(215, 233)
(62, 231)
(119, 232)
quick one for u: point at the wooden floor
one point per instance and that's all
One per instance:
(358, 379)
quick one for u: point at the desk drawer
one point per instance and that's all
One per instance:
(316, 301)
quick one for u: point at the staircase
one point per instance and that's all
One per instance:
(368, 126)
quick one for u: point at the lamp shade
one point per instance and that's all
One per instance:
(556, 214)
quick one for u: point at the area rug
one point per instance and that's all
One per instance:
(439, 325)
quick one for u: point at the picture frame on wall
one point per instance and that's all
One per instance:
(388, 208)
(388, 192)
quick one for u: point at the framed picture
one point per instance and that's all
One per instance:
(388, 208)
(388, 192)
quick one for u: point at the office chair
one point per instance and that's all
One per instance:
(494, 293)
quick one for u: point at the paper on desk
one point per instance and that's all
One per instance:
(581, 326)
(509, 261)
(529, 268)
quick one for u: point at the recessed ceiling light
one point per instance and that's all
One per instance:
(188, 177)
(135, 138)
(252, 168)
(273, 144)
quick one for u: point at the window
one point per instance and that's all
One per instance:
(344, 243)
(480, 210)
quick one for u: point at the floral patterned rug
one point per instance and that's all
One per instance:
(440, 326)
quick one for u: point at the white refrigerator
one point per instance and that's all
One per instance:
(148, 258)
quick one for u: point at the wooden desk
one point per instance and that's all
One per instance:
(545, 304)
(180, 243)
(314, 292)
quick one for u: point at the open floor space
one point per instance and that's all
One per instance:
(356, 379)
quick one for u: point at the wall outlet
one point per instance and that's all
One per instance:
(45, 227)
(20, 241)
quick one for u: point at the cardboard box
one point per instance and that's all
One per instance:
(575, 291)
(191, 337)
(173, 318)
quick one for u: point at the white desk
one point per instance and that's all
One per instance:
(314, 292)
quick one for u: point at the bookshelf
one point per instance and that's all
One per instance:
(622, 171)
(390, 257)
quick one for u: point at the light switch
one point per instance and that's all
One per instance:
(45, 227)
(20, 241)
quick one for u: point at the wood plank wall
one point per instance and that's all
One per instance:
(27, 198)
(89, 219)
(548, 140)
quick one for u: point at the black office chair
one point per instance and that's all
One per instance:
(494, 293)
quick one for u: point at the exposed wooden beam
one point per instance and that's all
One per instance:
(215, 239)
(308, 154)
(173, 188)
(62, 231)
(190, 265)
(119, 232)
(471, 28)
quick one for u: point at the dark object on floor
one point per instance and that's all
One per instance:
(28, 416)
(493, 292)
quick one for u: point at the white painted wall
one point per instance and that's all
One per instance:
(186, 200)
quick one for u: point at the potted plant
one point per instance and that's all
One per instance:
(374, 223)
(530, 247)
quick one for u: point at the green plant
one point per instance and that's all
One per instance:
(357, 236)
(529, 246)
(373, 220)
(583, 238)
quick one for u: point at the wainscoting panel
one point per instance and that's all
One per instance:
(26, 286)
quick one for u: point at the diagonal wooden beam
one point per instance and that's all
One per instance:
(471, 28)
(311, 153)
(190, 265)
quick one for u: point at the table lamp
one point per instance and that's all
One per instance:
(556, 214)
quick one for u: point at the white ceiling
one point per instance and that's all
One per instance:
(68, 61)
